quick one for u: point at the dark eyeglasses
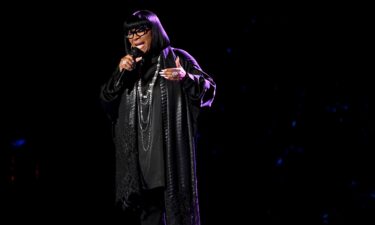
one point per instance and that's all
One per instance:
(139, 32)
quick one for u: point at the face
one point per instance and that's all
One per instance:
(140, 38)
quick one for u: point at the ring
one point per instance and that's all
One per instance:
(174, 74)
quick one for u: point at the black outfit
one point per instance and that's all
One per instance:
(150, 211)
(151, 160)
(175, 108)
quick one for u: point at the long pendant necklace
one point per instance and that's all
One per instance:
(145, 100)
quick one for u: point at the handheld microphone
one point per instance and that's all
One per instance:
(135, 53)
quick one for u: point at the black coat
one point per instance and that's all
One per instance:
(181, 102)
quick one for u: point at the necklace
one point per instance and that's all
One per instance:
(145, 100)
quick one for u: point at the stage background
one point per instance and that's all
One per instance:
(289, 138)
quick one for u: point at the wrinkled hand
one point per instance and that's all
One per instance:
(177, 73)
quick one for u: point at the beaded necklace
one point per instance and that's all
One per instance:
(145, 121)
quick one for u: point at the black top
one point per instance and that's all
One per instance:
(150, 148)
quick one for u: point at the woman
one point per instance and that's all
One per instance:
(153, 99)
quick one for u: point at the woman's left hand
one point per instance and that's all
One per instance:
(177, 73)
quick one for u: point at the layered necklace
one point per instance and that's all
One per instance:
(145, 118)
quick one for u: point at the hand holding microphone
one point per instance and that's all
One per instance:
(128, 62)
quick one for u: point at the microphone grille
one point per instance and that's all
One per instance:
(136, 52)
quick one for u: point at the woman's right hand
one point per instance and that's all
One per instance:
(127, 63)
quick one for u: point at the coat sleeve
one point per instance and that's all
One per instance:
(110, 93)
(198, 85)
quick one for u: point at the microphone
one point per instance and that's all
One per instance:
(135, 53)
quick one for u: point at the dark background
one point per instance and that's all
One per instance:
(289, 138)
